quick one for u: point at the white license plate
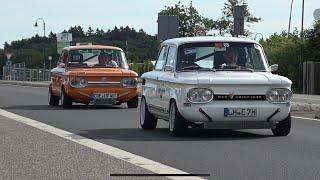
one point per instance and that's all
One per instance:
(240, 112)
(96, 96)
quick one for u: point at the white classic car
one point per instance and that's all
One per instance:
(215, 83)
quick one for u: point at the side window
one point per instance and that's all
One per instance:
(171, 56)
(162, 58)
(63, 57)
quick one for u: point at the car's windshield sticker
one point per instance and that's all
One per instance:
(190, 51)
(221, 46)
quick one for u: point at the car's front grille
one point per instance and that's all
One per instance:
(231, 97)
(104, 84)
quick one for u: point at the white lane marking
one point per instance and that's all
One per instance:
(136, 160)
(305, 118)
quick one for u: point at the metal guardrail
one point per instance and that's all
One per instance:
(24, 74)
(141, 68)
(18, 72)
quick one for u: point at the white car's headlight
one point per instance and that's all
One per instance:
(129, 82)
(200, 95)
(280, 95)
(78, 82)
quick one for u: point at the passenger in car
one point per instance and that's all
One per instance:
(106, 59)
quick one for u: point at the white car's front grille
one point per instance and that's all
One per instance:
(236, 97)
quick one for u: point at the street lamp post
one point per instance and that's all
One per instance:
(304, 81)
(44, 35)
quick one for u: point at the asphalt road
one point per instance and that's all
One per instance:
(246, 154)
(29, 153)
(311, 99)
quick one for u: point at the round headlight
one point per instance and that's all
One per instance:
(78, 82)
(281, 95)
(129, 82)
(200, 95)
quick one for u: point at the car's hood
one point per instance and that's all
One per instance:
(229, 78)
(100, 72)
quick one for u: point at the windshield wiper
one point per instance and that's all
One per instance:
(191, 67)
(198, 68)
(207, 69)
(235, 68)
(77, 64)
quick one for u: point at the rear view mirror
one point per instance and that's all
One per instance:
(274, 68)
(61, 65)
(168, 68)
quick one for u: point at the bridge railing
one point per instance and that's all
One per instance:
(24, 74)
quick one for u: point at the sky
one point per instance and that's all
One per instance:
(17, 17)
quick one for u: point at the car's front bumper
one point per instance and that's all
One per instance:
(84, 95)
(213, 112)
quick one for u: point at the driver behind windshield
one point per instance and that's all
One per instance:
(105, 59)
(231, 56)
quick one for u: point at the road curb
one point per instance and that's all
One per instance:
(26, 83)
(304, 107)
(295, 105)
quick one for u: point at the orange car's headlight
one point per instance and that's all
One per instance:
(78, 82)
(129, 82)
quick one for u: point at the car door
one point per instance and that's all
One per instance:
(58, 73)
(165, 79)
(154, 99)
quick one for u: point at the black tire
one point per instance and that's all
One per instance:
(65, 100)
(53, 100)
(283, 127)
(133, 103)
(177, 124)
(147, 120)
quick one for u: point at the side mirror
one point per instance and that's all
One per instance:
(274, 68)
(168, 68)
(61, 65)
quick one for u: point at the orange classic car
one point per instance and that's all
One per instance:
(93, 74)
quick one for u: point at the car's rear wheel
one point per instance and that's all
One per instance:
(147, 120)
(177, 124)
(53, 100)
(133, 103)
(283, 127)
(65, 100)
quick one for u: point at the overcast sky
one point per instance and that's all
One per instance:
(17, 17)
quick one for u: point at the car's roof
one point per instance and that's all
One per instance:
(184, 40)
(91, 47)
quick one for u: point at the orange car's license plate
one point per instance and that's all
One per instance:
(105, 95)
(104, 98)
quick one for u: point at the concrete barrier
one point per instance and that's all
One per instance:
(296, 106)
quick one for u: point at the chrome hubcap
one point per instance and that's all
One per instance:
(62, 98)
(171, 117)
(142, 111)
(49, 96)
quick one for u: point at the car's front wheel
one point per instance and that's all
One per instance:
(133, 103)
(177, 124)
(65, 100)
(283, 127)
(53, 100)
(147, 120)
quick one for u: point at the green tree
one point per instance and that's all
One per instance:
(312, 43)
(225, 23)
(189, 18)
(285, 51)
(90, 32)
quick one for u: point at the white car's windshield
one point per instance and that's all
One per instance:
(97, 58)
(221, 56)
